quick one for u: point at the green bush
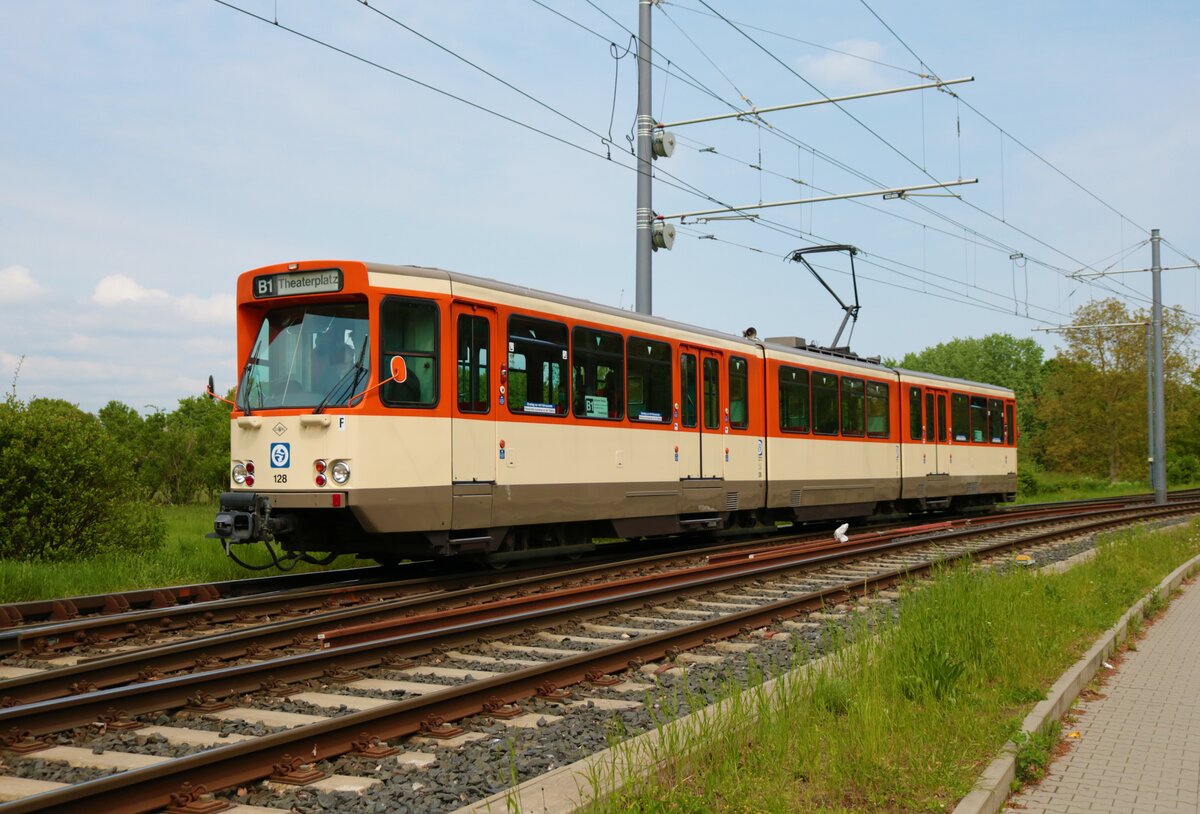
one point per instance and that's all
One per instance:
(1182, 469)
(68, 489)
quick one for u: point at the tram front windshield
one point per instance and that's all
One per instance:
(307, 356)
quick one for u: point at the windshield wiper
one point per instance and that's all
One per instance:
(359, 370)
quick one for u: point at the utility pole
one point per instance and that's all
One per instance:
(1160, 422)
(1150, 403)
(645, 129)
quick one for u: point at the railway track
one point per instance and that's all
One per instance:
(346, 681)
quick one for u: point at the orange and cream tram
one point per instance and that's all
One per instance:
(399, 411)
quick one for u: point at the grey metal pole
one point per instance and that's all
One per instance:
(645, 128)
(1160, 415)
(1150, 402)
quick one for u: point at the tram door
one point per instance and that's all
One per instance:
(701, 414)
(714, 421)
(937, 403)
(473, 415)
(688, 437)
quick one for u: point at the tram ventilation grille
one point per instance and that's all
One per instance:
(731, 501)
(796, 497)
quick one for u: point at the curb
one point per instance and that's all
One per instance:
(992, 789)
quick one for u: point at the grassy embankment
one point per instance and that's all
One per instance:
(185, 557)
(905, 721)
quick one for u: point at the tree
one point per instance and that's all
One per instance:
(1095, 393)
(69, 490)
(188, 448)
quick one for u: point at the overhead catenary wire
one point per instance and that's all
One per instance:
(675, 182)
(758, 122)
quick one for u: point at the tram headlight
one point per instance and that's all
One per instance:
(340, 471)
(239, 473)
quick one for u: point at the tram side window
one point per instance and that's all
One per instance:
(978, 419)
(935, 419)
(649, 380)
(878, 413)
(914, 413)
(687, 386)
(712, 394)
(793, 399)
(825, 403)
(473, 350)
(996, 421)
(410, 330)
(598, 373)
(537, 366)
(960, 417)
(739, 395)
(1010, 427)
(853, 420)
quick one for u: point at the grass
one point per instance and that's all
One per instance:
(1036, 486)
(903, 721)
(185, 557)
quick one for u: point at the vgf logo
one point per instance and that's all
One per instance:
(281, 455)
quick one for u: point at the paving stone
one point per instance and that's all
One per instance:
(1133, 754)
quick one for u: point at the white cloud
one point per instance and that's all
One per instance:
(126, 341)
(17, 285)
(118, 290)
(845, 69)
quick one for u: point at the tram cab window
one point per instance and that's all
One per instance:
(649, 390)
(996, 421)
(825, 403)
(878, 410)
(410, 329)
(853, 407)
(793, 399)
(739, 393)
(598, 372)
(960, 418)
(537, 366)
(914, 413)
(306, 355)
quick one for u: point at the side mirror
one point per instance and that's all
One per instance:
(211, 392)
(399, 369)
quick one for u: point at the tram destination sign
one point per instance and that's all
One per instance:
(292, 283)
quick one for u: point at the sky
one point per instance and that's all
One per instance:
(152, 151)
